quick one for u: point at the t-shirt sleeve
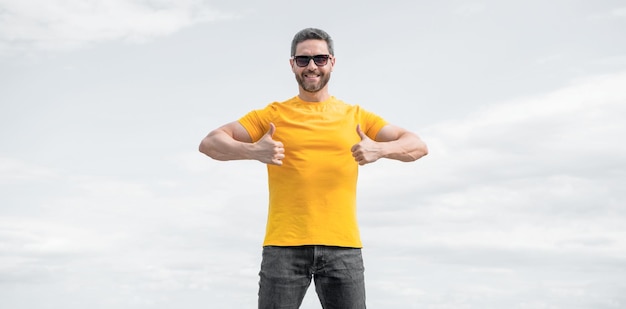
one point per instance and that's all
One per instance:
(371, 123)
(257, 121)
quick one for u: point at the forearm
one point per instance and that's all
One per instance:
(220, 146)
(408, 147)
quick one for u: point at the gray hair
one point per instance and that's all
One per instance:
(311, 34)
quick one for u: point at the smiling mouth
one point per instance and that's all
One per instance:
(311, 76)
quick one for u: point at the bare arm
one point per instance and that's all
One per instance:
(391, 142)
(232, 142)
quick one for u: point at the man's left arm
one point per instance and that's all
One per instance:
(391, 142)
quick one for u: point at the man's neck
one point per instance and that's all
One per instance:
(319, 96)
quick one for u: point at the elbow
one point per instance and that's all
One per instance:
(205, 148)
(424, 151)
(211, 150)
(202, 149)
(418, 148)
(420, 152)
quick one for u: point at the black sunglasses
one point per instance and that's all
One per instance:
(319, 60)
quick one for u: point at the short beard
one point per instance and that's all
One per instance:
(324, 78)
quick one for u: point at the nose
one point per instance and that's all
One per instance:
(311, 65)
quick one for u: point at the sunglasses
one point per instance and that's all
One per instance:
(319, 60)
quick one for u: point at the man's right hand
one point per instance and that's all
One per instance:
(268, 150)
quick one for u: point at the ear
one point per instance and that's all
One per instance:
(332, 63)
(291, 64)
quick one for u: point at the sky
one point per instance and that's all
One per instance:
(105, 201)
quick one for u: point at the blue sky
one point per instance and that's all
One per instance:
(105, 201)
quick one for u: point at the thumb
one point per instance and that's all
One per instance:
(272, 129)
(361, 134)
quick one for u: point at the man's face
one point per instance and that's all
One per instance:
(312, 77)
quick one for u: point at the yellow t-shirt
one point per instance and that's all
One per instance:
(312, 196)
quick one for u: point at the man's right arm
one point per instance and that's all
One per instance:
(233, 142)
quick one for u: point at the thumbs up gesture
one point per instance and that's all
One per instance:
(367, 150)
(268, 150)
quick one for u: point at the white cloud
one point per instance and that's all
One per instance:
(469, 9)
(132, 240)
(61, 24)
(15, 170)
(619, 12)
(615, 13)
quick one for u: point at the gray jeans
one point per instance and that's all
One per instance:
(286, 273)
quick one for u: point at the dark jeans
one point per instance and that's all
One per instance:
(286, 274)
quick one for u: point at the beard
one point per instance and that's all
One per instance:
(312, 87)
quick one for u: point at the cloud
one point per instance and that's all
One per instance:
(14, 170)
(140, 242)
(619, 12)
(615, 13)
(568, 132)
(63, 25)
(469, 9)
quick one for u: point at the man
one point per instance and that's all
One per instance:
(311, 144)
